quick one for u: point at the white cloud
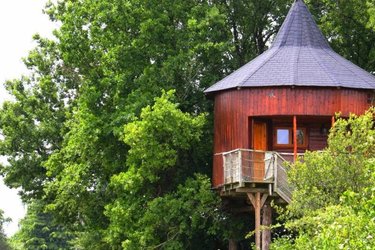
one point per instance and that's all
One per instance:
(19, 21)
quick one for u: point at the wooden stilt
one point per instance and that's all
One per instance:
(266, 221)
(257, 201)
(295, 137)
(232, 245)
(257, 221)
(333, 121)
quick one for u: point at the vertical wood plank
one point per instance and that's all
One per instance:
(233, 108)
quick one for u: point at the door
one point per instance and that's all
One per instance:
(259, 143)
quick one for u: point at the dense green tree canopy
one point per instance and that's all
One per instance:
(346, 25)
(323, 177)
(64, 133)
(38, 231)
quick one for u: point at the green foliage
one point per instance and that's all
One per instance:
(371, 12)
(186, 219)
(346, 25)
(81, 170)
(253, 24)
(348, 225)
(109, 60)
(333, 201)
(63, 134)
(3, 239)
(152, 208)
(33, 124)
(323, 177)
(38, 231)
(156, 139)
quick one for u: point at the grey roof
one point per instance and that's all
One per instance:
(299, 56)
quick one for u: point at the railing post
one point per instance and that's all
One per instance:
(240, 167)
(275, 173)
(224, 169)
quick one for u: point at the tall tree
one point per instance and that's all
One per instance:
(323, 177)
(38, 231)
(253, 25)
(122, 72)
(33, 124)
(147, 212)
(346, 25)
(63, 134)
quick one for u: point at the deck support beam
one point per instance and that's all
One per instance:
(257, 201)
(295, 137)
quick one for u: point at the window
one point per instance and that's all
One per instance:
(283, 137)
(301, 137)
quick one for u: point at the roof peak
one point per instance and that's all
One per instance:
(300, 29)
(299, 56)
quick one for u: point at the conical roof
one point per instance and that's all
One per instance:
(299, 56)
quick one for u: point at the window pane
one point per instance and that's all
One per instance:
(283, 136)
(300, 137)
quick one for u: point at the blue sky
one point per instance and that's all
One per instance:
(19, 20)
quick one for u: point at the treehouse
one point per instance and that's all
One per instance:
(276, 107)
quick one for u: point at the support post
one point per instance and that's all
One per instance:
(257, 221)
(266, 222)
(224, 170)
(240, 179)
(295, 137)
(232, 245)
(332, 121)
(256, 202)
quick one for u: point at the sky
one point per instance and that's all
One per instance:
(19, 20)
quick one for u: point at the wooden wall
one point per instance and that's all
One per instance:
(234, 108)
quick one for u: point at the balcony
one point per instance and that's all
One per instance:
(243, 167)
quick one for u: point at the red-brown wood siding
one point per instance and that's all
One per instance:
(317, 140)
(233, 108)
